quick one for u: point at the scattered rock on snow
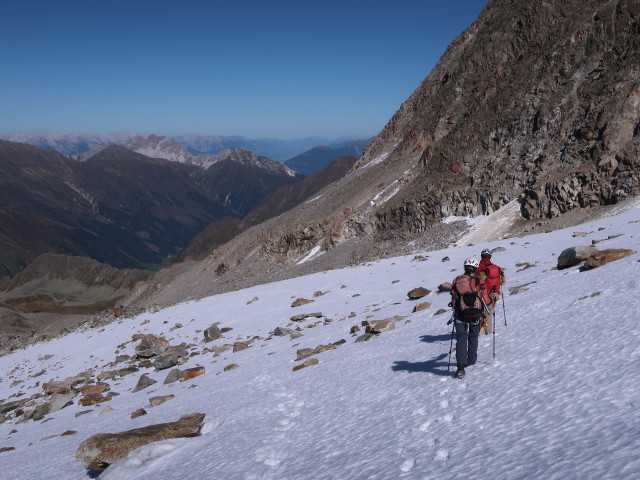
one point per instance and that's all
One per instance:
(301, 301)
(421, 306)
(101, 450)
(174, 376)
(231, 366)
(417, 293)
(190, 373)
(159, 400)
(445, 287)
(303, 316)
(305, 364)
(54, 386)
(138, 413)
(282, 331)
(239, 346)
(366, 337)
(212, 333)
(150, 346)
(143, 383)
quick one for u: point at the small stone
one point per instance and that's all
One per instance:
(305, 364)
(231, 367)
(417, 293)
(301, 301)
(173, 376)
(441, 311)
(421, 306)
(364, 338)
(138, 413)
(239, 346)
(155, 401)
(143, 383)
(190, 373)
(304, 353)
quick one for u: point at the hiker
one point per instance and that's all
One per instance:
(493, 277)
(468, 299)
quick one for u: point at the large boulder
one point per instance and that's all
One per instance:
(573, 256)
(606, 256)
(101, 450)
(212, 333)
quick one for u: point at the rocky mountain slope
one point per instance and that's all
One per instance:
(283, 199)
(535, 105)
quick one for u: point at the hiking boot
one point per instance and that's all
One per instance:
(460, 372)
(470, 363)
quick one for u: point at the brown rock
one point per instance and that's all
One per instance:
(190, 373)
(62, 386)
(417, 293)
(305, 364)
(101, 450)
(88, 401)
(606, 256)
(138, 413)
(304, 353)
(421, 306)
(303, 316)
(150, 346)
(155, 401)
(239, 346)
(96, 389)
(7, 449)
(301, 301)
(231, 367)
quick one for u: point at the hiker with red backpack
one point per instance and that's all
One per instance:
(469, 300)
(493, 277)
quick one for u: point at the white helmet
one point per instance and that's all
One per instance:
(486, 253)
(471, 262)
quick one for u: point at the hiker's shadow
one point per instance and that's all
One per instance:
(435, 338)
(437, 366)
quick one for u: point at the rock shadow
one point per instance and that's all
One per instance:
(437, 366)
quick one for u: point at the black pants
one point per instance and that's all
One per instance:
(467, 342)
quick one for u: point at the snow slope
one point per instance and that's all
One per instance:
(559, 400)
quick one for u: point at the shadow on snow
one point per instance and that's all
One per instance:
(437, 366)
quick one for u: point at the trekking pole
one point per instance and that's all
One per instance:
(494, 332)
(504, 310)
(453, 326)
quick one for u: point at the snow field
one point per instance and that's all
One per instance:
(560, 400)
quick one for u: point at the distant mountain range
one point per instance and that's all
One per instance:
(121, 207)
(75, 143)
(318, 157)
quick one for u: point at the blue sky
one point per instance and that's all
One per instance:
(281, 69)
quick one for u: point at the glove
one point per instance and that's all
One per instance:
(494, 296)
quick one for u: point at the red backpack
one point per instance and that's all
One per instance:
(466, 297)
(493, 275)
